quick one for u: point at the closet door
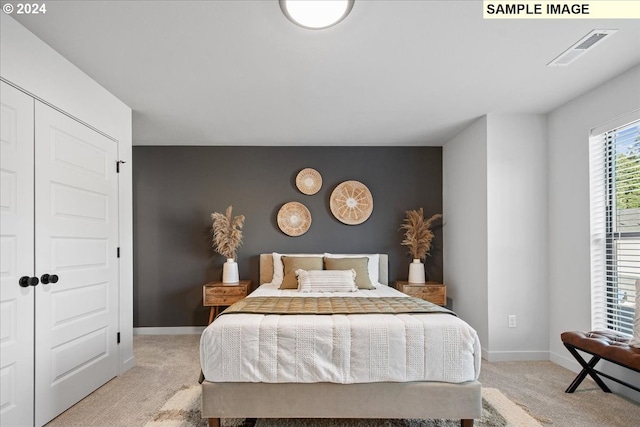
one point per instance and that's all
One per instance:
(76, 229)
(16, 257)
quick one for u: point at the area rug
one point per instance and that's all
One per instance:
(183, 410)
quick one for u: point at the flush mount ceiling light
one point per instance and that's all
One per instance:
(316, 14)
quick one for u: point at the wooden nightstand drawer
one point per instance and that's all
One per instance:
(223, 291)
(222, 299)
(432, 292)
(217, 294)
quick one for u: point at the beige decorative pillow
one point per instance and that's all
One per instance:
(327, 280)
(635, 341)
(291, 264)
(360, 265)
(374, 263)
(278, 268)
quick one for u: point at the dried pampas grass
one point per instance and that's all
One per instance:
(227, 233)
(417, 233)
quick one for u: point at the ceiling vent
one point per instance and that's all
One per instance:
(581, 47)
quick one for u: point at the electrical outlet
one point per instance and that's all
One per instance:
(512, 320)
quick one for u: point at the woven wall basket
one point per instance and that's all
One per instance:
(309, 181)
(351, 202)
(294, 219)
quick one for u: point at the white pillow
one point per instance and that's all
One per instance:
(635, 341)
(327, 280)
(278, 266)
(373, 266)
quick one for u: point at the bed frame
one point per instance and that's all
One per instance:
(328, 400)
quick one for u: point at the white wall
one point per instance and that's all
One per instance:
(569, 261)
(516, 233)
(464, 198)
(495, 233)
(517, 237)
(30, 64)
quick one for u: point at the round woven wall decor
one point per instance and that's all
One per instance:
(294, 219)
(309, 181)
(351, 202)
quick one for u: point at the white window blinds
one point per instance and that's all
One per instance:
(615, 225)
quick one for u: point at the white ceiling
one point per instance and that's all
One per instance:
(392, 73)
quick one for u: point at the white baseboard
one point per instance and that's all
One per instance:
(566, 362)
(176, 330)
(127, 364)
(514, 356)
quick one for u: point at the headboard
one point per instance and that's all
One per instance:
(266, 268)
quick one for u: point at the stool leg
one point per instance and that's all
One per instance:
(578, 379)
(587, 368)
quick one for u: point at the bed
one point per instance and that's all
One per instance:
(246, 377)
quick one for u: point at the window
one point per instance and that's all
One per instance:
(615, 225)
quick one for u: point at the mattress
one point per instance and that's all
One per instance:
(344, 349)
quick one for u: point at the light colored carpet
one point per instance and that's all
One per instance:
(183, 410)
(165, 364)
(540, 386)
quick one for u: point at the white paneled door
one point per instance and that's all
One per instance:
(76, 231)
(16, 258)
(58, 260)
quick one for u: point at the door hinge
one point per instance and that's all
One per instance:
(118, 338)
(118, 165)
(118, 251)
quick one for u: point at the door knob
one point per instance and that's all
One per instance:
(28, 281)
(49, 278)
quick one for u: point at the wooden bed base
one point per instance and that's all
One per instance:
(422, 400)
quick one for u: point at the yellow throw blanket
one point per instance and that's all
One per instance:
(334, 305)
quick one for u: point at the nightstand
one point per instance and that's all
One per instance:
(430, 291)
(218, 294)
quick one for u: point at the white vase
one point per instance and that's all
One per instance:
(230, 271)
(416, 272)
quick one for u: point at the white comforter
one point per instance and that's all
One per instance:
(356, 348)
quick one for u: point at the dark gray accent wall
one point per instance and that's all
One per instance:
(176, 189)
